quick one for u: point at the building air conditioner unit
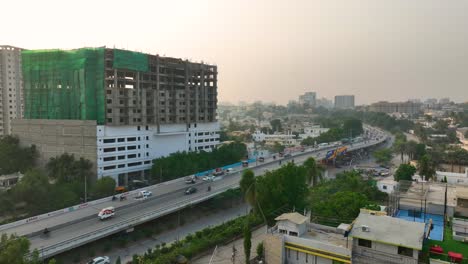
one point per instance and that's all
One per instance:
(365, 228)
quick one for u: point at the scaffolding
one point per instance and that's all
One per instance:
(62, 84)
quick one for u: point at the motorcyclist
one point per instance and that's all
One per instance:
(209, 188)
(46, 231)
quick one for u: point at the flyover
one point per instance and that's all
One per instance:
(73, 228)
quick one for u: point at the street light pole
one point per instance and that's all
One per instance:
(86, 189)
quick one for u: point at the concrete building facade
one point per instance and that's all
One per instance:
(308, 98)
(344, 101)
(11, 87)
(124, 108)
(409, 108)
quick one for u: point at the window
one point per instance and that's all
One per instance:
(405, 251)
(109, 140)
(131, 156)
(289, 253)
(297, 255)
(365, 243)
(109, 149)
(384, 187)
(133, 164)
(131, 147)
(148, 162)
(109, 167)
(121, 140)
(131, 139)
(307, 258)
(121, 149)
(138, 128)
(109, 111)
(109, 158)
(121, 157)
(121, 166)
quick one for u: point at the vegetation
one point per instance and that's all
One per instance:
(247, 187)
(426, 167)
(60, 186)
(404, 172)
(180, 164)
(13, 157)
(260, 250)
(383, 156)
(247, 240)
(103, 187)
(199, 242)
(336, 201)
(314, 171)
(283, 188)
(13, 250)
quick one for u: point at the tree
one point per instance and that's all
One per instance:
(341, 206)
(314, 171)
(400, 147)
(352, 127)
(276, 125)
(426, 167)
(103, 187)
(13, 157)
(247, 240)
(405, 172)
(66, 169)
(13, 249)
(118, 261)
(247, 186)
(383, 155)
(277, 147)
(260, 250)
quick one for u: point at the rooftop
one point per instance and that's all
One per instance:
(296, 218)
(389, 230)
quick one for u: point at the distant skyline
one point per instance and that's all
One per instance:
(272, 50)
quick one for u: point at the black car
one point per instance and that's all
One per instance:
(190, 190)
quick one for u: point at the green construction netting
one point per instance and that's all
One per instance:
(124, 59)
(62, 84)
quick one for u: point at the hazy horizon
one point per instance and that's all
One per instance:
(273, 51)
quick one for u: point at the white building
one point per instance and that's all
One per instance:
(308, 98)
(313, 131)
(296, 241)
(126, 149)
(387, 185)
(284, 139)
(11, 87)
(384, 239)
(452, 177)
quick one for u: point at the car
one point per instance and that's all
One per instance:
(261, 159)
(287, 155)
(190, 180)
(145, 193)
(190, 190)
(106, 213)
(100, 260)
(208, 178)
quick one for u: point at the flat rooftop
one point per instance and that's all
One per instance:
(389, 230)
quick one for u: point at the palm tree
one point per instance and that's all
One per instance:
(248, 188)
(400, 147)
(426, 167)
(314, 171)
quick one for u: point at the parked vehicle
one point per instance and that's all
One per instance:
(106, 213)
(190, 190)
(120, 189)
(245, 164)
(100, 260)
(229, 170)
(287, 155)
(261, 159)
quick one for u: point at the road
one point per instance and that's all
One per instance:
(68, 227)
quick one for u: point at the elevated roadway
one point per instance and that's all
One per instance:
(81, 226)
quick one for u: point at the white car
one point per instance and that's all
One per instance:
(208, 178)
(100, 260)
(145, 193)
(106, 213)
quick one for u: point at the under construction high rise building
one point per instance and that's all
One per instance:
(118, 108)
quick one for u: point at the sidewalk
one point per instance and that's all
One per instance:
(140, 247)
(223, 254)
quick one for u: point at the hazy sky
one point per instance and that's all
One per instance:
(272, 50)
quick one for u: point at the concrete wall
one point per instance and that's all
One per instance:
(273, 246)
(55, 137)
(383, 252)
